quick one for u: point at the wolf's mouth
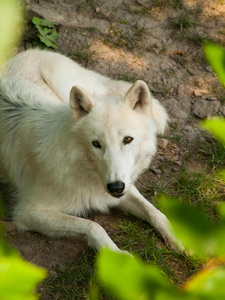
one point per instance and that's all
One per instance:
(117, 195)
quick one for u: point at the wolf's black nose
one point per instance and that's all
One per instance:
(116, 188)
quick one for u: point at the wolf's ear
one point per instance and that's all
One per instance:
(80, 102)
(139, 97)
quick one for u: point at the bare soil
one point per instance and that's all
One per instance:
(137, 40)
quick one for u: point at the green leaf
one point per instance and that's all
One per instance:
(44, 31)
(195, 229)
(208, 284)
(216, 126)
(221, 210)
(18, 278)
(127, 278)
(43, 22)
(48, 42)
(215, 55)
(47, 32)
(222, 174)
(54, 35)
(191, 226)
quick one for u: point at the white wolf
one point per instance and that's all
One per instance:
(71, 141)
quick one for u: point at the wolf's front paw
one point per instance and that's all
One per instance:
(175, 244)
(166, 231)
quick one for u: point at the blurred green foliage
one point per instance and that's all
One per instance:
(18, 278)
(215, 54)
(11, 26)
(127, 278)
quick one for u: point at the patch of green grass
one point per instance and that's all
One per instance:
(187, 19)
(201, 189)
(186, 22)
(161, 4)
(194, 37)
(178, 4)
(139, 238)
(87, 6)
(141, 9)
(118, 37)
(127, 77)
(160, 88)
(72, 281)
(212, 152)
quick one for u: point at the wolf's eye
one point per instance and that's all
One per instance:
(96, 144)
(127, 140)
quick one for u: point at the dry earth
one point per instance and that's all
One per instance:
(134, 40)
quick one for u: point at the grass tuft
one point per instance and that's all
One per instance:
(201, 189)
(84, 55)
(213, 153)
(72, 281)
(187, 19)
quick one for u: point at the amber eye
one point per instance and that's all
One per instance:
(127, 140)
(96, 144)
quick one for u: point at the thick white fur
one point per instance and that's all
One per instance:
(51, 110)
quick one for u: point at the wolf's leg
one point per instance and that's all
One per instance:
(56, 224)
(135, 204)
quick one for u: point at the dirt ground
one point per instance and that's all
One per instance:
(137, 40)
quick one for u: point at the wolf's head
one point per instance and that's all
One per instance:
(118, 137)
